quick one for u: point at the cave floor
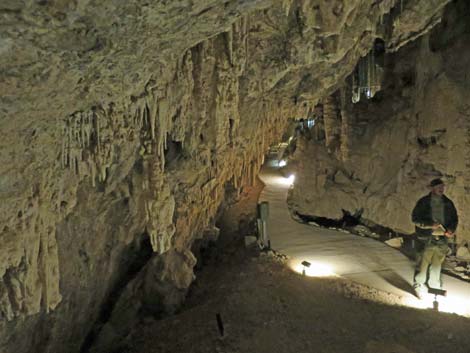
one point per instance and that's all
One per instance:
(265, 306)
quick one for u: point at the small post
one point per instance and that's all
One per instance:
(436, 292)
(263, 214)
(435, 304)
(220, 324)
(305, 264)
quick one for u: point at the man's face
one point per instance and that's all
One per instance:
(438, 189)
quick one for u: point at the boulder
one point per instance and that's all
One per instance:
(463, 253)
(395, 242)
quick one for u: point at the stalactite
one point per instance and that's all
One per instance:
(345, 146)
(149, 118)
(93, 174)
(98, 132)
(286, 5)
(368, 73)
(374, 87)
(160, 140)
(229, 39)
(356, 91)
(332, 124)
(385, 7)
(368, 80)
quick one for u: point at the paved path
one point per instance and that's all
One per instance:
(360, 259)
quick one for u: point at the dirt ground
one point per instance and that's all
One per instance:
(263, 306)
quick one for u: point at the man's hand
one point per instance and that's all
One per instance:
(449, 234)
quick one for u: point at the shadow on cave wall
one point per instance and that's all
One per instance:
(133, 260)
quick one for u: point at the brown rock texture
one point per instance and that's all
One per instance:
(122, 124)
(415, 129)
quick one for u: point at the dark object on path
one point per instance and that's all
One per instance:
(436, 292)
(220, 324)
(305, 265)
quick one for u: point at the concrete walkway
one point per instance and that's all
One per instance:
(360, 259)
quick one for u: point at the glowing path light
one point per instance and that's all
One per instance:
(288, 181)
(452, 303)
(316, 269)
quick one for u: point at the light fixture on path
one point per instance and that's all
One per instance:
(305, 265)
(290, 180)
(313, 269)
(436, 292)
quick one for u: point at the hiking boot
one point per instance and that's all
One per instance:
(420, 291)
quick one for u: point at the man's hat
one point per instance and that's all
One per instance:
(435, 182)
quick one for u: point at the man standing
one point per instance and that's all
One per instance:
(435, 219)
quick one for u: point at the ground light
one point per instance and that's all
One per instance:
(289, 180)
(305, 265)
(452, 303)
(436, 292)
(313, 269)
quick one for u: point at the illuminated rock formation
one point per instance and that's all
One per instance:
(415, 130)
(122, 123)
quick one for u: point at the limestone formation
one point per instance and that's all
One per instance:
(414, 131)
(463, 253)
(122, 123)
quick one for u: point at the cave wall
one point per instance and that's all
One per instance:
(122, 122)
(412, 131)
